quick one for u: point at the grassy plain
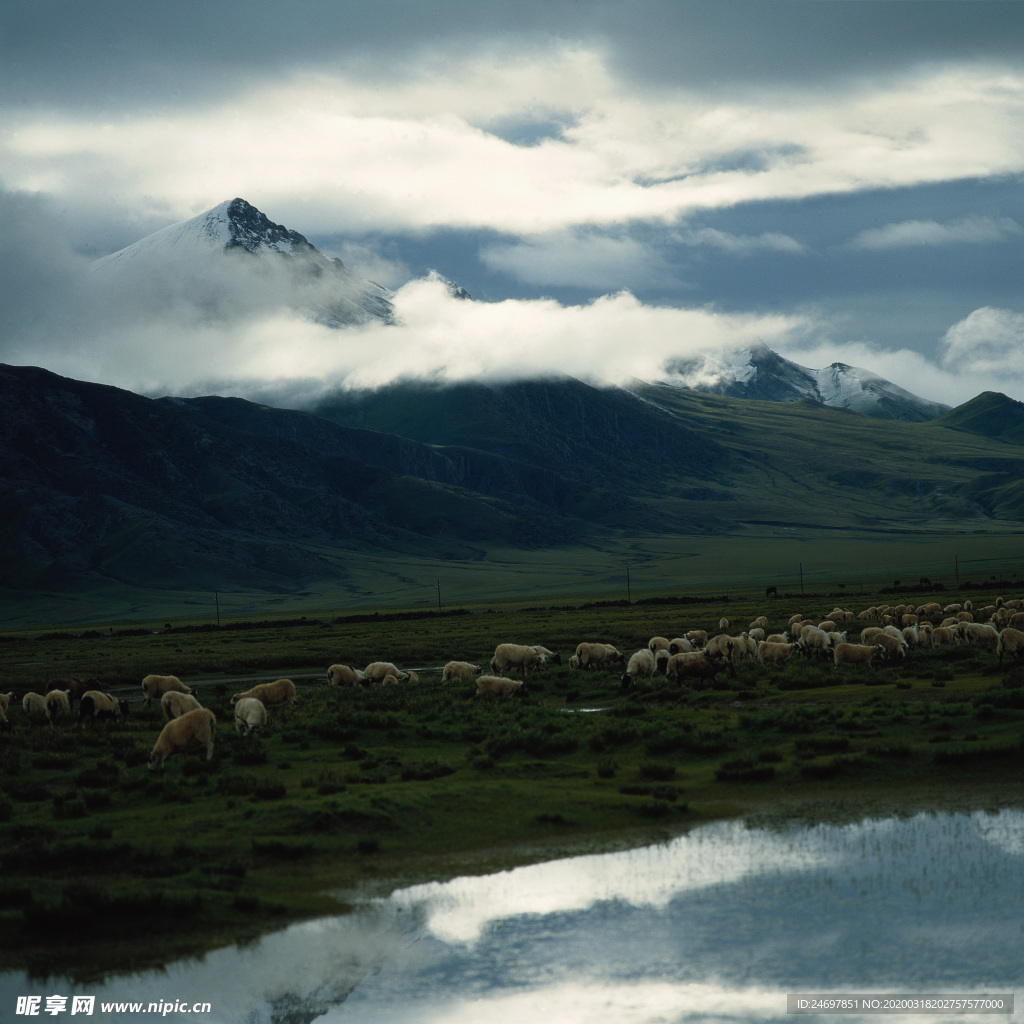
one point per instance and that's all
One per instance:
(356, 790)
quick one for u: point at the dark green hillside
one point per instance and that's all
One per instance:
(991, 415)
(106, 496)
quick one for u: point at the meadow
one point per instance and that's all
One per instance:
(354, 790)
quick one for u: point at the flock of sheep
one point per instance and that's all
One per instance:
(188, 724)
(883, 633)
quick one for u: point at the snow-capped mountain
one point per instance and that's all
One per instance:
(762, 374)
(290, 269)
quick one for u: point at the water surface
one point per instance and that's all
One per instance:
(717, 925)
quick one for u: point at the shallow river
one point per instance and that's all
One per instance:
(717, 925)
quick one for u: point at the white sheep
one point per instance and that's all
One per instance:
(34, 704)
(58, 705)
(1011, 641)
(98, 705)
(499, 686)
(680, 645)
(640, 666)
(657, 643)
(978, 632)
(595, 655)
(156, 686)
(343, 675)
(773, 652)
(856, 654)
(459, 672)
(280, 691)
(510, 656)
(175, 704)
(250, 716)
(377, 670)
(194, 729)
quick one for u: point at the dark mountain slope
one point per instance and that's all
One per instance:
(99, 481)
(566, 427)
(991, 415)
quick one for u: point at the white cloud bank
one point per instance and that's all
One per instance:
(989, 342)
(343, 156)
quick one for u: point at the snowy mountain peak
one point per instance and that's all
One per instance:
(195, 251)
(762, 374)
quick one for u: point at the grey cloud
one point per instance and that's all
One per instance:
(115, 53)
(970, 230)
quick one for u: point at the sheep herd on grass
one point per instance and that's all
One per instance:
(692, 659)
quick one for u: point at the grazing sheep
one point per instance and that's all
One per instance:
(756, 634)
(696, 636)
(743, 648)
(895, 648)
(499, 686)
(389, 680)
(550, 657)
(774, 653)
(280, 691)
(794, 619)
(342, 675)
(459, 672)
(826, 625)
(723, 625)
(156, 686)
(574, 662)
(509, 656)
(944, 636)
(250, 716)
(95, 704)
(1016, 620)
(661, 659)
(814, 641)
(869, 635)
(978, 632)
(34, 704)
(761, 622)
(696, 665)
(377, 670)
(58, 704)
(412, 677)
(597, 655)
(931, 608)
(911, 636)
(640, 665)
(1011, 641)
(777, 638)
(657, 643)
(175, 704)
(194, 729)
(720, 644)
(856, 654)
(680, 645)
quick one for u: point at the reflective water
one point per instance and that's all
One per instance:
(718, 925)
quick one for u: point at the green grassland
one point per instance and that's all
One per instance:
(354, 790)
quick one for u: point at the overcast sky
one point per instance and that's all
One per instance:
(615, 183)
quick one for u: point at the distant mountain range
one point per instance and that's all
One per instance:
(328, 292)
(760, 373)
(102, 487)
(104, 490)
